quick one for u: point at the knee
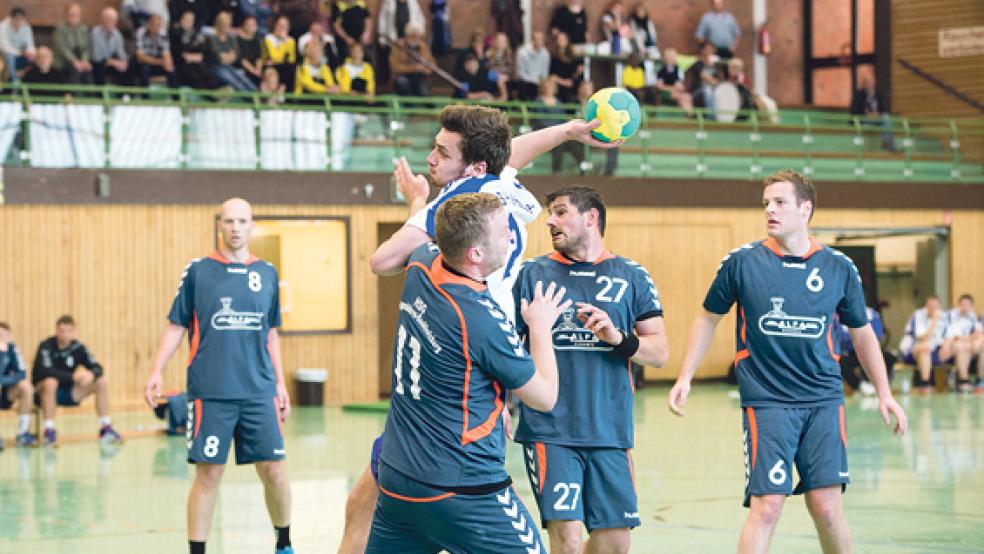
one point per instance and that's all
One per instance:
(48, 385)
(616, 542)
(768, 509)
(825, 513)
(569, 537)
(272, 473)
(962, 346)
(209, 475)
(25, 389)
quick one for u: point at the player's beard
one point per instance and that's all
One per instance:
(567, 244)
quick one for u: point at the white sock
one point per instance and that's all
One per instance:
(49, 424)
(23, 423)
(104, 421)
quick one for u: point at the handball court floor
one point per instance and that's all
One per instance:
(920, 493)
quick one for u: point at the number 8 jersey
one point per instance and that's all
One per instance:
(594, 403)
(785, 310)
(228, 309)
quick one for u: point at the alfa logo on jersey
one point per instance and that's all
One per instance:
(228, 319)
(779, 323)
(569, 335)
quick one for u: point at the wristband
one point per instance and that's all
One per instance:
(629, 345)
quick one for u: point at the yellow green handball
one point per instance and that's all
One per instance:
(618, 111)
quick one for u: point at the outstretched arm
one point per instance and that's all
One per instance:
(697, 344)
(526, 148)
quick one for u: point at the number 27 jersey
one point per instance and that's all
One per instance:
(228, 309)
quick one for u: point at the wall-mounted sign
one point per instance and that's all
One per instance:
(961, 41)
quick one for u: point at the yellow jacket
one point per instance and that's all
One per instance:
(279, 51)
(310, 79)
(345, 79)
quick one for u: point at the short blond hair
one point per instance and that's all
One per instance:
(463, 222)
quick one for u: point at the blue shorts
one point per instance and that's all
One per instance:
(254, 423)
(63, 396)
(776, 438)
(414, 518)
(5, 402)
(593, 485)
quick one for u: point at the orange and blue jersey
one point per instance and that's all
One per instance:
(228, 309)
(594, 403)
(456, 354)
(785, 335)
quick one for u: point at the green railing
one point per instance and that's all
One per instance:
(373, 131)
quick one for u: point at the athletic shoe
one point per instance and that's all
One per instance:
(867, 388)
(285, 550)
(50, 437)
(26, 439)
(108, 435)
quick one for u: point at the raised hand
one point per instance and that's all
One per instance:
(541, 312)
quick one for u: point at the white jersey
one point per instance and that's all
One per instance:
(962, 325)
(917, 326)
(522, 208)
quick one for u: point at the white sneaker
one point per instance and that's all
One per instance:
(867, 388)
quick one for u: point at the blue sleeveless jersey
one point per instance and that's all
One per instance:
(228, 309)
(594, 404)
(455, 355)
(786, 348)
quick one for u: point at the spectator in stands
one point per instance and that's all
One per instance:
(15, 387)
(634, 79)
(352, 24)
(532, 67)
(109, 59)
(250, 49)
(614, 26)
(548, 112)
(313, 75)
(271, 86)
(60, 380)
(571, 20)
(481, 84)
(356, 75)
(73, 41)
(222, 55)
(411, 62)
(924, 342)
(565, 68)
(331, 50)
(720, 28)
(867, 103)
(737, 77)
(476, 47)
(964, 332)
(280, 51)
(394, 15)
(16, 42)
(702, 77)
(669, 81)
(851, 370)
(200, 9)
(499, 58)
(139, 11)
(43, 72)
(259, 10)
(188, 51)
(643, 31)
(154, 53)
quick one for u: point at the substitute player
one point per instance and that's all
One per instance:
(472, 152)
(441, 472)
(578, 455)
(15, 387)
(787, 288)
(230, 304)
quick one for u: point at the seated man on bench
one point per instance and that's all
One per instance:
(924, 343)
(964, 331)
(14, 387)
(61, 381)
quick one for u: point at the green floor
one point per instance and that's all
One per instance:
(921, 493)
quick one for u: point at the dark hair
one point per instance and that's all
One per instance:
(965, 296)
(584, 199)
(463, 222)
(65, 320)
(802, 187)
(485, 134)
(17, 11)
(4, 325)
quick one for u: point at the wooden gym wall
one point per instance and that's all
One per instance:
(116, 267)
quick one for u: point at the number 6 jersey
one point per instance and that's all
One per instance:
(228, 309)
(785, 310)
(594, 404)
